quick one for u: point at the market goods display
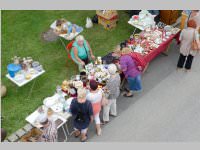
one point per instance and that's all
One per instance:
(150, 39)
(143, 20)
(22, 70)
(66, 29)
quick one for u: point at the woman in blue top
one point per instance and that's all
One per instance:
(82, 112)
(81, 52)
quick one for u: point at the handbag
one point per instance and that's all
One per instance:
(104, 100)
(88, 23)
(194, 43)
(86, 61)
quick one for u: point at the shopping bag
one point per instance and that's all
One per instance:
(89, 23)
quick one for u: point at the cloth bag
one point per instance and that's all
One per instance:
(195, 44)
(104, 100)
(89, 23)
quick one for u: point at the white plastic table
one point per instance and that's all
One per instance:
(33, 117)
(64, 36)
(136, 25)
(25, 81)
(64, 116)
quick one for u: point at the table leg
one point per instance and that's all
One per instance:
(64, 133)
(31, 89)
(66, 126)
(145, 69)
(165, 53)
(134, 31)
(63, 43)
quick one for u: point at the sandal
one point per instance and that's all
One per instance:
(104, 122)
(77, 133)
(84, 139)
(125, 95)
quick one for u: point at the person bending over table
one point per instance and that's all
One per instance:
(131, 71)
(49, 132)
(81, 110)
(81, 52)
(186, 53)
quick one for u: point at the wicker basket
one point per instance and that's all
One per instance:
(32, 134)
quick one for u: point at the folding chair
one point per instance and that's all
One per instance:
(68, 48)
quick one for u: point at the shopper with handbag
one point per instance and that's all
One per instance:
(190, 46)
(113, 87)
(81, 52)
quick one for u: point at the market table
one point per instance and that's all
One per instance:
(145, 58)
(162, 48)
(60, 118)
(20, 84)
(65, 36)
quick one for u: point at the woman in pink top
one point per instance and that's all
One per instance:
(95, 96)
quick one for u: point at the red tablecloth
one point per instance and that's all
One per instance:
(145, 59)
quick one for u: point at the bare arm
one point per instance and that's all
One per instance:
(91, 53)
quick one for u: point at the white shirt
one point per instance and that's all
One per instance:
(94, 97)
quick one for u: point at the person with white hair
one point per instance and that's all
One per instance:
(113, 86)
(81, 110)
(81, 52)
(49, 132)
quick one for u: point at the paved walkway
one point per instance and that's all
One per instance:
(168, 109)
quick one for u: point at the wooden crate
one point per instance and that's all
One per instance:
(169, 16)
(108, 20)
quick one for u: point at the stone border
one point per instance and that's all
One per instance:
(15, 137)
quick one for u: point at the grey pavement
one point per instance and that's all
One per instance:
(167, 110)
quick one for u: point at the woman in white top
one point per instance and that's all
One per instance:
(186, 52)
(95, 96)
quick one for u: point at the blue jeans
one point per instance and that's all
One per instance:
(135, 84)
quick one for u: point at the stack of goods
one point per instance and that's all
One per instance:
(144, 19)
(107, 18)
(70, 87)
(23, 68)
(66, 28)
(150, 38)
(57, 103)
(98, 72)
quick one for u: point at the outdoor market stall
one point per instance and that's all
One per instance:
(142, 21)
(57, 106)
(65, 30)
(24, 70)
(152, 40)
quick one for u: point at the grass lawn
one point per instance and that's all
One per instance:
(21, 36)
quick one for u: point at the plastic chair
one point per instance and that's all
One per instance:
(68, 48)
